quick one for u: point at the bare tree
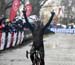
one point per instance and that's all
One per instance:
(37, 4)
(2, 7)
(69, 6)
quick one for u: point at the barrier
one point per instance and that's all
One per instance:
(58, 30)
(10, 39)
(21, 37)
(2, 41)
(14, 39)
(0, 38)
(19, 34)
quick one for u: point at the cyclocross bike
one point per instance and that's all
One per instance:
(36, 57)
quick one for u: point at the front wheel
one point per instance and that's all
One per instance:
(36, 63)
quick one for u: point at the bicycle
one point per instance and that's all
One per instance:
(37, 58)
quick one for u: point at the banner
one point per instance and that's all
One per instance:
(14, 9)
(28, 8)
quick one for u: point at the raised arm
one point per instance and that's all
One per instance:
(29, 25)
(52, 15)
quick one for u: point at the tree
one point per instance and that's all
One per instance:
(37, 4)
(69, 6)
(2, 7)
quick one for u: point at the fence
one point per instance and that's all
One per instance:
(10, 39)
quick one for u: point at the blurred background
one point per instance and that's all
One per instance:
(64, 9)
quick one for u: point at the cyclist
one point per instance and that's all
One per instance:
(37, 34)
